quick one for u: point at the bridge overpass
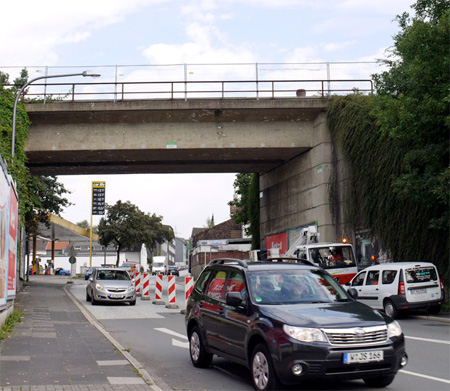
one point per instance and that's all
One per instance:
(285, 140)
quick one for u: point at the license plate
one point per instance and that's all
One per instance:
(115, 296)
(418, 291)
(362, 357)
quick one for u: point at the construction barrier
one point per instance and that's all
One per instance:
(171, 292)
(158, 290)
(145, 287)
(137, 283)
(188, 287)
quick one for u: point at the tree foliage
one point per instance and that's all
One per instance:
(411, 107)
(125, 226)
(246, 189)
(396, 143)
(38, 195)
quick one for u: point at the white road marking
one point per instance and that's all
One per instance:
(425, 376)
(180, 344)
(170, 332)
(429, 340)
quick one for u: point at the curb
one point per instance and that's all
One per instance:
(135, 363)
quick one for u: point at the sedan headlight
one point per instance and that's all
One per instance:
(99, 286)
(305, 334)
(394, 329)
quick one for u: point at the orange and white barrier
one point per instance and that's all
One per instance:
(171, 292)
(145, 287)
(158, 290)
(188, 287)
(137, 283)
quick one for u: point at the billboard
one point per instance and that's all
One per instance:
(4, 233)
(12, 243)
(277, 241)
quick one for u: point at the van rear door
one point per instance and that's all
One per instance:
(422, 283)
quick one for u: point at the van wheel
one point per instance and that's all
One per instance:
(434, 309)
(199, 356)
(389, 309)
(380, 381)
(262, 371)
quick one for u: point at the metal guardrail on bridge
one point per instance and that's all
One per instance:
(171, 90)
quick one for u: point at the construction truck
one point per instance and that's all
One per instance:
(337, 258)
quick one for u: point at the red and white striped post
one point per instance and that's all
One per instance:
(137, 283)
(145, 287)
(172, 293)
(158, 290)
(188, 286)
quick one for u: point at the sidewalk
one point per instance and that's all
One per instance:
(56, 348)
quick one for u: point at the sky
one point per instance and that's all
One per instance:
(95, 33)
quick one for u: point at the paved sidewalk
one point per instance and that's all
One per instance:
(56, 348)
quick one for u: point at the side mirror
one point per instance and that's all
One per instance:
(353, 293)
(234, 299)
(91, 279)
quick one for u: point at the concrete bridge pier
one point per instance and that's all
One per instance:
(297, 193)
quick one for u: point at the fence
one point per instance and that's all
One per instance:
(186, 81)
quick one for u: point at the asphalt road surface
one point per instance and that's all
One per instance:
(155, 336)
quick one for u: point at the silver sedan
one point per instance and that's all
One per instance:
(111, 285)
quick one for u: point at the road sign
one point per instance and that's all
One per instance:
(72, 260)
(98, 198)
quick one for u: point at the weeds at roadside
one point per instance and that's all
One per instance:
(15, 317)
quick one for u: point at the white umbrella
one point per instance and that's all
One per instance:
(143, 257)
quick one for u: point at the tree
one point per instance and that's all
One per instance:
(210, 222)
(85, 225)
(46, 196)
(125, 226)
(246, 189)
(38, 195)
(411, 107)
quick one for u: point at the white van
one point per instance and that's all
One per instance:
(159, 265)
(401, 286)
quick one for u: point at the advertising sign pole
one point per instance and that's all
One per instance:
(97, 208)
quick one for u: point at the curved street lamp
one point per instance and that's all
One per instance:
(13, 141)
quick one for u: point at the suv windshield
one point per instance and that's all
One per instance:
(294, 286)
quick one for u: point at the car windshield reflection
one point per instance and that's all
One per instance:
(113, 275)
(295, 286)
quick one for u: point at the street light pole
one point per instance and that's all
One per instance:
(13, 141)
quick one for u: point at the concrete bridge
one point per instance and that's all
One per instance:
(285, 140)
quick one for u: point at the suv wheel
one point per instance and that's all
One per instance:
(263, 374)
(200, 358)
(389, 309)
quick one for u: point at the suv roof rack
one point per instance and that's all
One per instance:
(304, 261)
(222, 261)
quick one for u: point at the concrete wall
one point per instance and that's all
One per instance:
(297, 193)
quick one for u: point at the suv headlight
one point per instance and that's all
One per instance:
(394, 329)
(305, 334)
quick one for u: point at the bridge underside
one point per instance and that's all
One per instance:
(195, 136)
(206, 160)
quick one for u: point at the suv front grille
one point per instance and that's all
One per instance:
(356, 335)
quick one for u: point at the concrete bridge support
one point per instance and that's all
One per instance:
(298, 192)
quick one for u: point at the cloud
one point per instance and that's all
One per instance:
(32, 31)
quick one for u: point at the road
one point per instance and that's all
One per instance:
(155, 336)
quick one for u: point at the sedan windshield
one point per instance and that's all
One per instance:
(294, 286)
(113, 275)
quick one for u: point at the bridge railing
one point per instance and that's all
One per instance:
(184, 90)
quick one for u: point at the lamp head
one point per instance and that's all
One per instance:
(91, 74)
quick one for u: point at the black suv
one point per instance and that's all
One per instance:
(289, 322)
